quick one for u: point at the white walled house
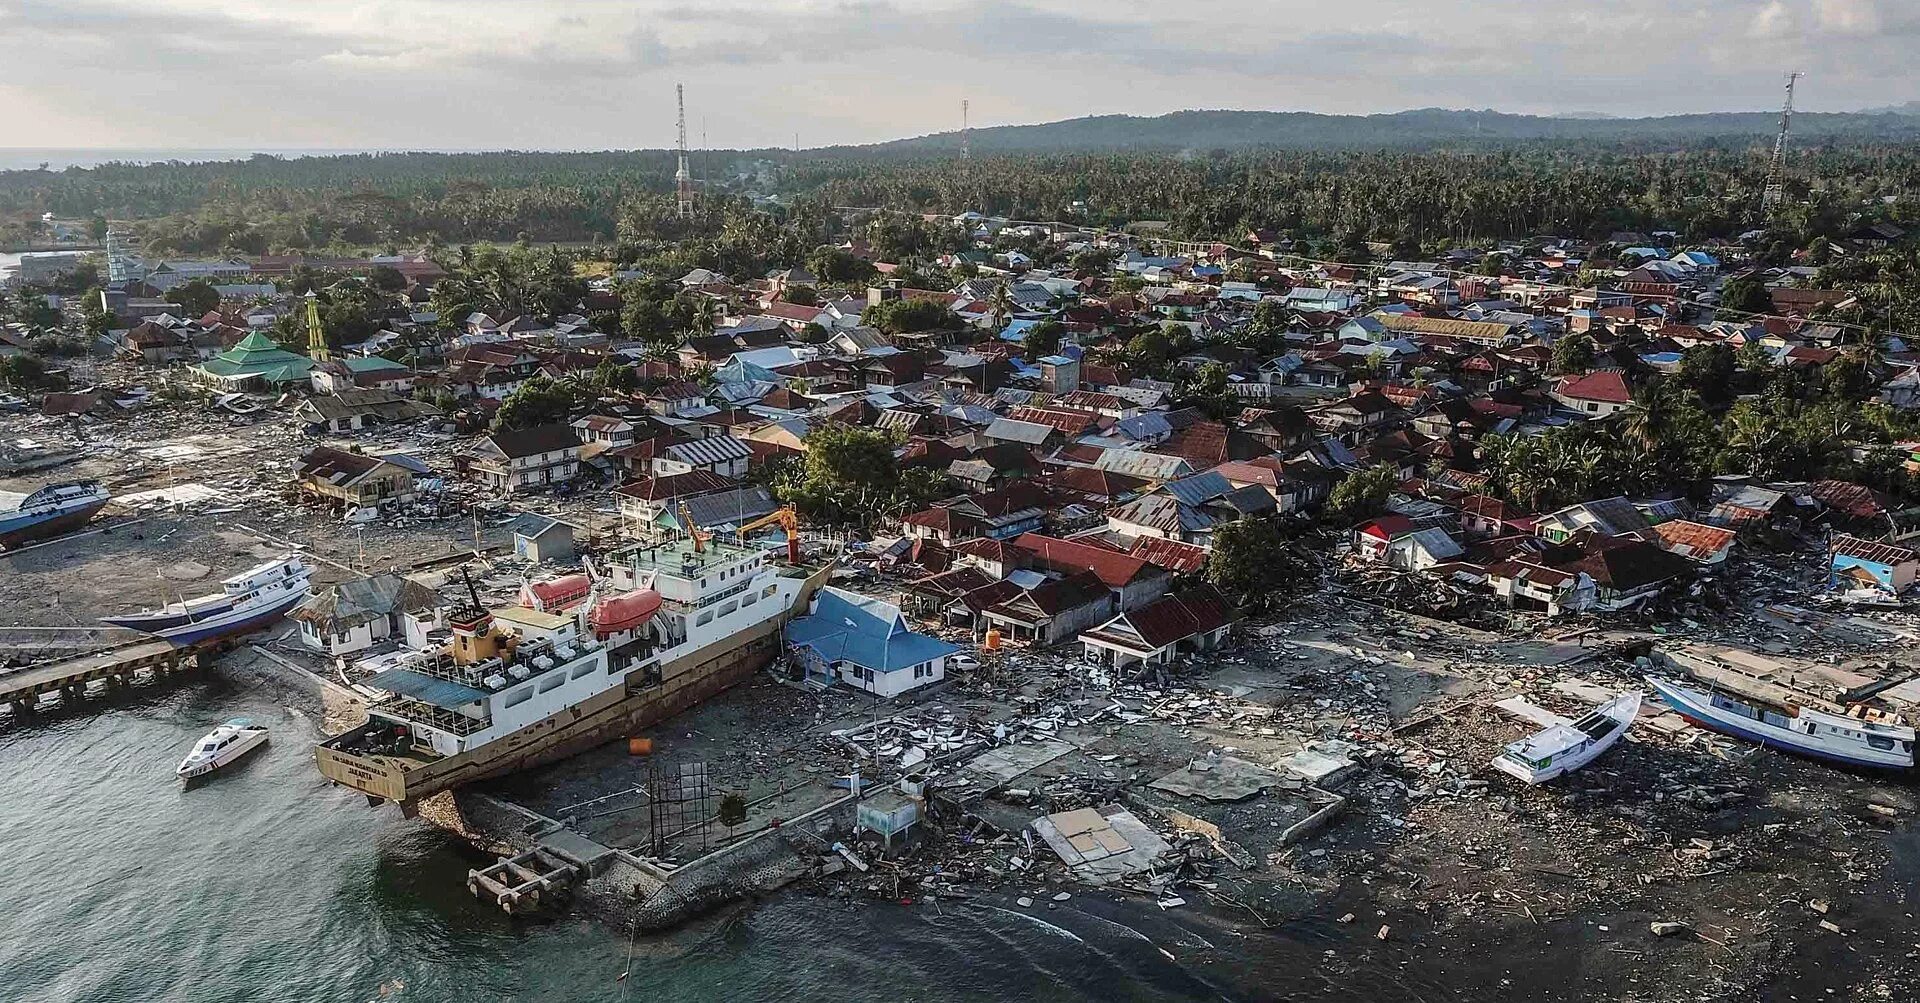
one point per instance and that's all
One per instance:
(864, 643)
(356, 615)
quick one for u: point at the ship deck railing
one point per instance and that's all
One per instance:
(408, 709)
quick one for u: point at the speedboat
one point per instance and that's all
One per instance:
(223, 746)
(1565, 746)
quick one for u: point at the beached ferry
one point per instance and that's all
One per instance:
(1802, 730)
(663, 627)
(245, 601)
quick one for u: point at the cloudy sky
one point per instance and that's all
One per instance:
(596, 74)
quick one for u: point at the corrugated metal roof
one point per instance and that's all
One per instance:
(711, 450)
(427, 689)
(1200, 488)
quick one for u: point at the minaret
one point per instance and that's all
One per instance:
(316, 335)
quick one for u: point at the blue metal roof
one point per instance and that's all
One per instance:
(869, 633)
(427, 689)
(1200, 488)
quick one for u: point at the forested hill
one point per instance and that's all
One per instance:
(1426, 127)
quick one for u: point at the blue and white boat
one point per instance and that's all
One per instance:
(1836, 738)
(49, 511)
(245, 602)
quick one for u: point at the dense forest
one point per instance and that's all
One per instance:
(1427, 198)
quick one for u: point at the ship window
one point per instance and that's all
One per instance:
(518, 697)
(705, 618)
(768, 591)
(584, 669)
(1883, 744)
(553, 682)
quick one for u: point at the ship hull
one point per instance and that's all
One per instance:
(22, 530)
(1704, 714)
(230, 622)
(684, 683)
(588, 725)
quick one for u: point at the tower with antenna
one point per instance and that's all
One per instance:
(966, 128)
(683, 176)
(1776, 187)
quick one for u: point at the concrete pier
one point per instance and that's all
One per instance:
(115, 668)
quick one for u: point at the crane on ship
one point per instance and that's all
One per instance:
(700, 536)
(788, 519)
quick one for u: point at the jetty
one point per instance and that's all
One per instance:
(22, 690)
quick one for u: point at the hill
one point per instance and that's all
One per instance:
(1425, 127)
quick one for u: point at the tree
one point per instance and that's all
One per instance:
(838, 265)
(1151, 350)
(387, 279)
(539, 401)
(1042, 339)
(1255, 566)
(851, 472)
(195, 298)
(1209, 388)
(1753, 357)
(733, 808)
(26, 371)
(1708, 370)
(802, 296)
(1573, 353)
(651, 311)
(906, 315)
(1362, 495)
(1746, 295)
(1092, 260)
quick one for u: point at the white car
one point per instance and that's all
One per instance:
(963, 661)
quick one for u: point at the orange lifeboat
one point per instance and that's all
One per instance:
(624, 612)
(556, 595)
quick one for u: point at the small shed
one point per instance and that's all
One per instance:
(538, 538)
(888, 813)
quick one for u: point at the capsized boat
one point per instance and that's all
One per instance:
(49, 511)
(1805, 731)
(245, 601)
(223, 746)
(1565, 746)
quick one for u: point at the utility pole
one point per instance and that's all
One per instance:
(682, 176)
(1776, 186)
(966, 128)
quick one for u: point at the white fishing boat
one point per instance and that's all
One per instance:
(223, 746)
(245, 601)
(1566, 745)
(1837, 738)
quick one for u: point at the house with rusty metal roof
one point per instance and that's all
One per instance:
(1854, 563)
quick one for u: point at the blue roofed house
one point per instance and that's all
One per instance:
(865, 643)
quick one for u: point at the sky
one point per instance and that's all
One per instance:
(598, 74)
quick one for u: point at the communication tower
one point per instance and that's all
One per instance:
(1776, 187)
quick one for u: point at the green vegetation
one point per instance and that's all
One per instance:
(1362, 495)
(850, 474)
(1254, 564)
